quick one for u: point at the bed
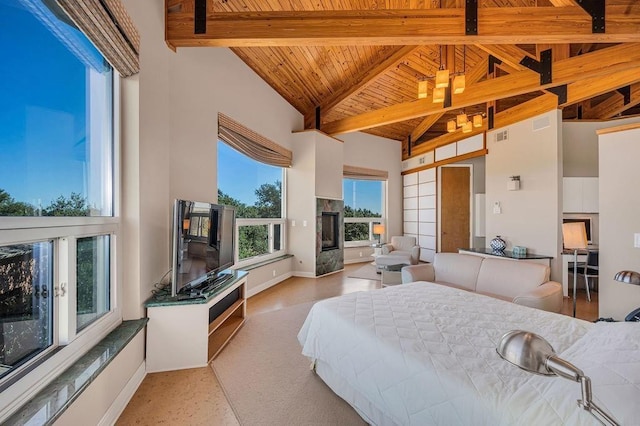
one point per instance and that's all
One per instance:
(424, 354)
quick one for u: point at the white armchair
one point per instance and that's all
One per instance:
(403, 246)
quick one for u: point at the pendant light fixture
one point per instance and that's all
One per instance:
(467, 127)
(451, 126)
(422, 89)
(442, 75)
(461, 119)
(477, 120)
(438, 94)
(459, 80)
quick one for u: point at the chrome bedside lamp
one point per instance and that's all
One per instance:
(534, 354)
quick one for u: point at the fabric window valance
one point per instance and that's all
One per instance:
(353, 172)
(107, 24)
(252, 144)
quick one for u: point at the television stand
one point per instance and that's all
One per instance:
(190, 332)
(210, 285)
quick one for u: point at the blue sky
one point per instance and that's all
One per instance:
(43, 125)
(44, 134)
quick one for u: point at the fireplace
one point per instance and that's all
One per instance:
(330, 231)
(329, 236)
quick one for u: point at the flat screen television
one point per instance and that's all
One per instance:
(203, 244)
(587, 225)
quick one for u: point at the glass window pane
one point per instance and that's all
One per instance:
(56, 119)
(26, 302)
(277, 237)
(254, 188)
(362, 198)
(253, 241)
(93, 277)
(356, 231)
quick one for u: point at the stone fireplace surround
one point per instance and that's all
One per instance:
(329, 260)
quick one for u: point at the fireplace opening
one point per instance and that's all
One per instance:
(329, 230)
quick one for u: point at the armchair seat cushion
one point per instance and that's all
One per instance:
(402, 246)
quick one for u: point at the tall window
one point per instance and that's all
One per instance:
(363, 207)
(57, 223)
(255, 189)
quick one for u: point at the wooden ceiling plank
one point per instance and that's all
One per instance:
(569, 24)
(365, 79)
(601, 62)
(561, 3)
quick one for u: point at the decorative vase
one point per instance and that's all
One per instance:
(498, 244)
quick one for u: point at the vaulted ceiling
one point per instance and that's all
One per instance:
(355, 64)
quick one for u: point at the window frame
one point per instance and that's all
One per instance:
(68, 344)
(370, 220)
(270, 222)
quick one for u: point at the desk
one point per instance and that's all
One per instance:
(487, 252)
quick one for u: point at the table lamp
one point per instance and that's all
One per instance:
(574, 237)
(378, 229)
(534, 354)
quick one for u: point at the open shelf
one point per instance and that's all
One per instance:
(219, 337)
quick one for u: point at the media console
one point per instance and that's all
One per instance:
(190, 332)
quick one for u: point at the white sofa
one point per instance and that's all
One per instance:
(524, 283)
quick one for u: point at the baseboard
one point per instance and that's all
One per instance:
(255, 290)
(304, 274)
(123, 398)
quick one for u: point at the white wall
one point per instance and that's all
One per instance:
(619, 220)
(374, 152)
(580, 145)
(530, 217)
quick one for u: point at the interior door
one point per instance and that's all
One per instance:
(455, 208)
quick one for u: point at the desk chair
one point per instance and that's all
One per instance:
(590, 270)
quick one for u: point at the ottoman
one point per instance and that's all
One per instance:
(392, 259)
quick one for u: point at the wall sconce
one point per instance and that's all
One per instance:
(514, 183)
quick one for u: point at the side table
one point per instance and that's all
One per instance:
(392, 275)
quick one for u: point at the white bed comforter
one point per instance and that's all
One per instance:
(424, 354)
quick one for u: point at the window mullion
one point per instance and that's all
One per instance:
(65, 290)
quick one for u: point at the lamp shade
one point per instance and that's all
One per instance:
(378, 229)
(628, 277)
(477, 121)
(574, 235)
(451, 126)
(422, 89)
(458, 84)
(438, 94)
(467, 127)
(442, 79)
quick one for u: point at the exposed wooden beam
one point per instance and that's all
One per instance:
(509, 54)
(598, 63)
(563, 2)
(559, 51)
(568, 24)
(355, 85)
(614, 105)
(536, 106)
(587, 88)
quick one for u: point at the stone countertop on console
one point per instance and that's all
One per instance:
(167, 300)
(57, 396)
(506, 253)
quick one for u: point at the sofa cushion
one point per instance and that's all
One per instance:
(509, 278)
(461, 269)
